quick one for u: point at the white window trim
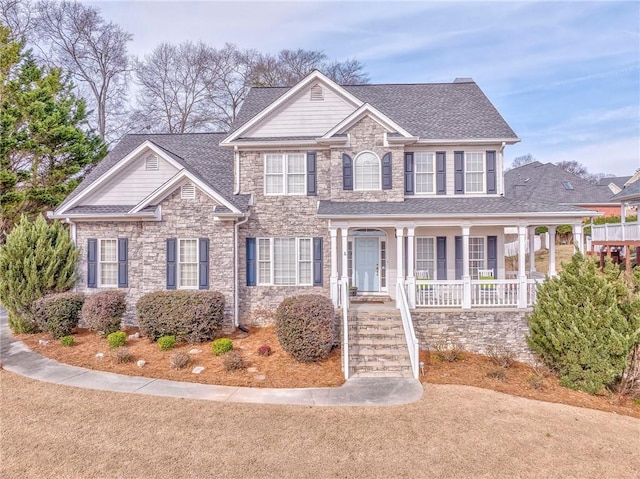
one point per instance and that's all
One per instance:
(99, 252)
(435, 255)
(178, 263)
(271, 280)
(484, 173)
(415, 174)
(285, 183)
(355, 177)
(485, 251)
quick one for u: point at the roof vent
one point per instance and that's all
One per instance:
(316, 93)
(152, 162)
(463, 80)
(188, 191)
(567, 185)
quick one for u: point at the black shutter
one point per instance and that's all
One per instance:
(171, 263)
(317, 261)
(92, 263)
(459, 262)
(492, 254)
(123, 267)
(347, 172)
(251, 261)
(441, 255)
(312, 175)
(458, 163)
(492, 186)
(387, 172)
(203, 266)
(441, 173)
(408, 174)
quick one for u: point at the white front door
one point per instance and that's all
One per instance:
(366, 268)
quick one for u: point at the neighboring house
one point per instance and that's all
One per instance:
(317, 186)
(614, 183)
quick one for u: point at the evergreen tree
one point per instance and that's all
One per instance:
(585, 324)
(44, 151)
(37, 259)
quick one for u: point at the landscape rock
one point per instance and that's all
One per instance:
(141, 362)
(197, 370)
(195, 351)
(260, 377)
(99, 355)
(134, 336)
(43, 342)
(252, 370)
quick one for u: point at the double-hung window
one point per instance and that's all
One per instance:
(285, 261)
(426, 256)
(477, 255)
(108, 263)
(474, 172)
(188, 263)
(285, 174)
(425, 172)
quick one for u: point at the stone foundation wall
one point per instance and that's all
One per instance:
(475, 330)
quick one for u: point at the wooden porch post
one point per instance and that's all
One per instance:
(532, 250)
(552, 251)
(399, 258)
(411, 278)
(333, 233)
(522, 276)
(577, 237)
(345, 267)
(466, 275)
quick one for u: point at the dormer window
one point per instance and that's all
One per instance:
(316, 93)
(188, 191)
(152, 163)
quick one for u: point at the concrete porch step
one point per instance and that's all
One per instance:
(380, 366)
(374, 335)
(381, 374)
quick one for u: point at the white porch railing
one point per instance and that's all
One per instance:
(409, 332)
(343, 300)
(493, 293)
(442, 294)
(616, 232)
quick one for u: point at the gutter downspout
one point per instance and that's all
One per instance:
(236, 286)
(236, 164)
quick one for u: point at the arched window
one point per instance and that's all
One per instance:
(367, 171)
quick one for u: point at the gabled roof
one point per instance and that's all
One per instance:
(630, 192)
(546, 182)
(199, 153)
(431, 111)
(619, 181)
(366, 110)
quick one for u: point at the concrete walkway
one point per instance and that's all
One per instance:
(16, 357)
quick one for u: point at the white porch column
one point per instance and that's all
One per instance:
(344, 232)
(577, 237)
(532, 250)
(333, 233)
(522, 276)
(411, 278)
(399, 258)
(552, 251)
(466, 275)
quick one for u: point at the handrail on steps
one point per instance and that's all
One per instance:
(344, 286)
(409, 332)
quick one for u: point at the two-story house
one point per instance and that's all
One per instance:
(388, 188)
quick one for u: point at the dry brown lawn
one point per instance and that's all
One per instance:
(53, 431)
(563, 255)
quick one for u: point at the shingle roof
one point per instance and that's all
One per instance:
(444, 206)
(619, 181)
(107, 209)
(435, 111)
(631, 192)
(199, 153)
(544, 182)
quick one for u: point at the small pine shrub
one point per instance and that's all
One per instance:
(233, 362)
(192, 316)
(166, 342)
(221, 346)
(264, 350)
(67, 340)
(501, 356)
(449, 353)
(179, 360)
(103, 311)
(58, 313)
(123, 355)
(305, 327)
(117, 339)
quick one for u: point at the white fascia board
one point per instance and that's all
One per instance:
(155, 215)
(469, 141)
(312, 77)
(147, 145)
(168, 186)
(374, 114)
(273, 144)
(542, 216)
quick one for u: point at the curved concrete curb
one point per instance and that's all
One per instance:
(16, 357)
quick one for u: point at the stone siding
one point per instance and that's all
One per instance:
(475, 330)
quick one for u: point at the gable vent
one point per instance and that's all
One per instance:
(188, 191)
(316, 93)
(152, 162)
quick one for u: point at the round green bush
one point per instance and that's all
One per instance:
(221, 346)
(67, 340)
(117, 339)
(58, 313)
(103, 311)
(305, 327)
(166, 342)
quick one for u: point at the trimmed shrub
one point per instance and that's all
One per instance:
(305, 326)
(585, 324)
(192, 316)
(233, 361)
(221, 346)
(500, 356)
(166, 342)
(117, 339)
(264, 350)
(449, 353)
(123, 355)
(37, 259)
(179, 360)
(58, 313)
(103, 311)
(67, 340)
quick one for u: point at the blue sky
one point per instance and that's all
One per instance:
(565, 75)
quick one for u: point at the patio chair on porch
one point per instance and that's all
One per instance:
(487, 285)
(423, 285)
